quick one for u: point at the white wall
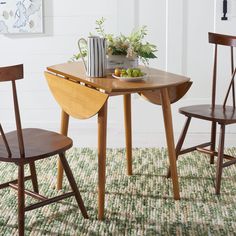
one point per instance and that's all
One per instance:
(178, 28)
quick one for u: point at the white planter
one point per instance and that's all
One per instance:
(120, 61)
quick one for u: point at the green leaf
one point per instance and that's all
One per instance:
(147, 55)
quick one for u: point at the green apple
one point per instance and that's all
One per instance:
(135, 73)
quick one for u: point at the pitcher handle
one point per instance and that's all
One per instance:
(80, 50)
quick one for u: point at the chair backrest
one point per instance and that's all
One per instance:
(230, 41)
(13, 73)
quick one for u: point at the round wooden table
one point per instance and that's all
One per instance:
(82, 97)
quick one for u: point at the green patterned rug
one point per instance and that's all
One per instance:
(138, 205)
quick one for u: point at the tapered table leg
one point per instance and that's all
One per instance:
(180, 142)
(128, 132)
(166, 108)
(64, 131)
(102, 132)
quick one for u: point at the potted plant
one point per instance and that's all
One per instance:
(123, 51)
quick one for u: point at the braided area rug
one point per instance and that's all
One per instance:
(141, 204)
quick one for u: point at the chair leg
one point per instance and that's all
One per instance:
(21, 200)
(34, 177)
(180, 142)
(73, 185)
(220, 159)
(213, 141)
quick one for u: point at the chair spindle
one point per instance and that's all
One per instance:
(18, 122)
(232, 69)
(213, 101)
(230, 85)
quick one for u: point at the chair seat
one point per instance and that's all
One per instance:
(38, 144)
(220, 114)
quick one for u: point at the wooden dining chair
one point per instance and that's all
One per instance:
(25, 146)
(221, 115)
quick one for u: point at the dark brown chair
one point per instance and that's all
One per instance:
(216, 114)
(25, 146)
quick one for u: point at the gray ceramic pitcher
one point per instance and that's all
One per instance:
(96, 56)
